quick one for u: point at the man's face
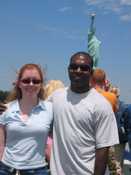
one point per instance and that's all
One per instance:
(80, 70)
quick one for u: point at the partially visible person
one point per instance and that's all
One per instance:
(98, 81)
(49, 88)
(25, 125)
(127, 153)
(84, 124)
(115, 90)
(107, 85)
(122, 127)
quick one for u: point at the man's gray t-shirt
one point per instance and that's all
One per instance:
(82, 123)
(26, 140)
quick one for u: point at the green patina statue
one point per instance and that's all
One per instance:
(93, 43)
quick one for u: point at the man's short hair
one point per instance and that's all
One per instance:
(85, 54)
(99, 76)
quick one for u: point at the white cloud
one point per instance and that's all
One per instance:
(118, 7)
(100, 2)
(95, 2)
(126, 17)
(64, 9)
(126, 2)
(111, 5)
(108, 4)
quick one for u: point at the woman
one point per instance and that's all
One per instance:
(26, 123)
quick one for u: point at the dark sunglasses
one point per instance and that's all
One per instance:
(29, 80)
(83, 67)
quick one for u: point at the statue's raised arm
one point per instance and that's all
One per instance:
(92, 28)
(93, 42)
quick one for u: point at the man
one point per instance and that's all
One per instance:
(98, 81)
(84, 124)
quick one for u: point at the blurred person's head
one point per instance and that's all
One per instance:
(51, 86)
(98, 78)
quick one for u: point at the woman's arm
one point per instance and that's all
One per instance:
(2, 140)
(48, 149)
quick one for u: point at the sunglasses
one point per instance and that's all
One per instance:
(31, 80)
(83, 67)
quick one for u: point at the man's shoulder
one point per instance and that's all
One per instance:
(59, 91)
(56, 94)
(98, 95)
(111, 98)
(99, 100)
(109, 94)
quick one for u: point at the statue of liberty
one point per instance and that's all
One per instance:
(93, 43)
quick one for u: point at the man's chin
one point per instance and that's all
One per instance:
(77, 82)
(76, 79)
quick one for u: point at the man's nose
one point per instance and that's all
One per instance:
(78, 69)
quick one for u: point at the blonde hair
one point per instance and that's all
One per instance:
(51, 86)
(16, 92)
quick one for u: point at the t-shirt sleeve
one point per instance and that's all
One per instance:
(106, 127)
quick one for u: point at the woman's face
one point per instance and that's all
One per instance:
(30, 83)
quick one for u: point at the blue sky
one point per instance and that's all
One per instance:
(48, 32)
